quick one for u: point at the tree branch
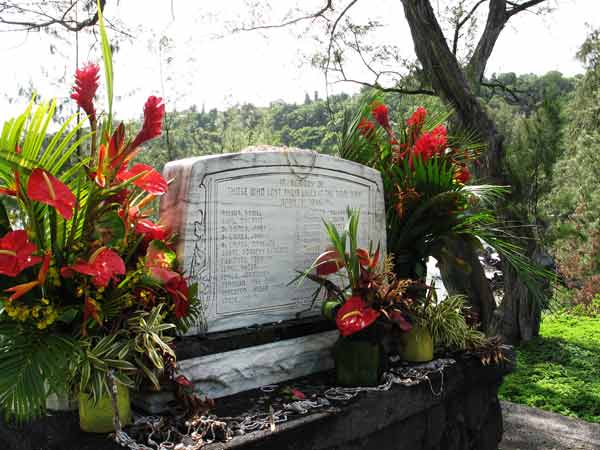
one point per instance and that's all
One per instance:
(333, 28)
(460, 24)
(320, 13)
(69, 24)
(498, 15)
(398, 90)
(518, 7)
(493, 84)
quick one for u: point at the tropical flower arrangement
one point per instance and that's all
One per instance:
(91, 292)
(361, 293)
(429, 196)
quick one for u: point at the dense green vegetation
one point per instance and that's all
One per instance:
(559, 371)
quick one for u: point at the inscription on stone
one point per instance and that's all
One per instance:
(247, 221)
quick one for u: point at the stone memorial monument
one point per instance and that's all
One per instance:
(246, 223)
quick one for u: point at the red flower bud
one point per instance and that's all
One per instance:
(381, 115)
(86, 84)
(418, 118)
(154, 112)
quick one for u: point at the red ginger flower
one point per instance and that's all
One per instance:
(16, 253)
(432, 143)
(46, 188)
(86, 84)
(381, 115)
(103, 266)
(355, 315)
(151, 181)
(154, 111)
(418, 118)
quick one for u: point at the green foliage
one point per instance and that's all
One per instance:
(558, 371)
(445, 320)
(31, 366)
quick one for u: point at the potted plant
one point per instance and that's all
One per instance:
(365, 295)
(437, 325)
(91, 294)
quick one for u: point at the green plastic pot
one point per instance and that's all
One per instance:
(417, 345)
(98, 417)
(357, 361)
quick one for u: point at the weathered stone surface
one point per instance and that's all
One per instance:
(221, 374)
(248, 221)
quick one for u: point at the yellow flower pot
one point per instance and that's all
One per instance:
(98, 417)
(418, 345)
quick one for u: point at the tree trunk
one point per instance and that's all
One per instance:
(463, 274)
(450, 83)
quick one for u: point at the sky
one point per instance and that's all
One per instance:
(208, 66)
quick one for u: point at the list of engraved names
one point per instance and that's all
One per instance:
(270, 225)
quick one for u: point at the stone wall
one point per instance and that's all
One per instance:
(465, 416)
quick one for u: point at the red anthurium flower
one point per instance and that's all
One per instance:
(328, 262)
(46, 188)
(86, 84)
(16, 253)
(463, 175)
(162, 275)
(381, 114)
(418, 118)
(176, 286)
(178, 289)
(22, 289)
(151, 181)
(355, 315)
(103, 266)
(151, 231)
(154, 111)
(366, 127)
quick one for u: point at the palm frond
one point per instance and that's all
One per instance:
(31, 365)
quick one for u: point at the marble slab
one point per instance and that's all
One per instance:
(222, 374)
(247, 221)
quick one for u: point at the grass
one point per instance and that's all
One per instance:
(560, 370)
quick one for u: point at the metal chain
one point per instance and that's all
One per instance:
(201, 431)
(405, 376)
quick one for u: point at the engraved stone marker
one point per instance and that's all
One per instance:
(248, 221)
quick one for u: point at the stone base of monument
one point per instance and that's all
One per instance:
(458, 410)
(222, 374)
(226, 363)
